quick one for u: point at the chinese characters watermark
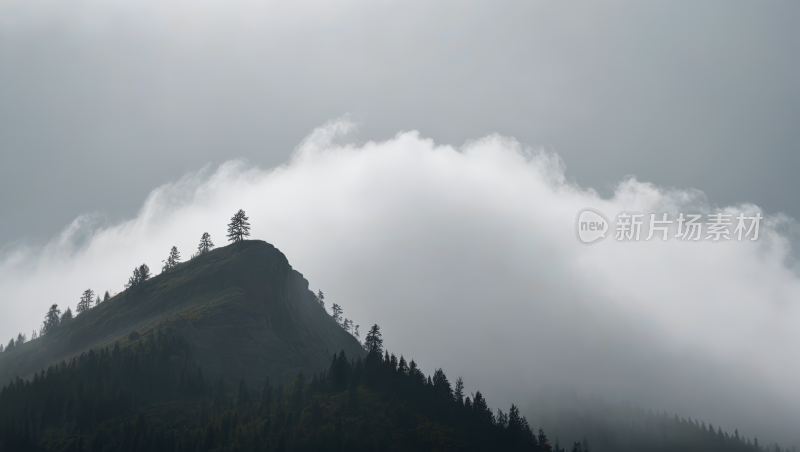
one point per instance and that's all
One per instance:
(591, 227)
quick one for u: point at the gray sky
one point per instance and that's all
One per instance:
(102, 101)
(465, 254)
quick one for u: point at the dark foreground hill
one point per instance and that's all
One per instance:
(243, 309)
(231, 352)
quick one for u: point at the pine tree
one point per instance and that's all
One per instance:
(501, 419)
(459, 391)
(33, 335)
(21, 339)
(144, 272)
(205, 244)
(86, 301)
(140, 275)
(107, 296)
(337, 314)
(97, 302)
(402, 366)
(134, 280)
(356, 334)
(373, 343)
(321, 299)
(172, 261)
(238, 228)
(51, 319)
(67, 316)
(544, 443)
(481, 409)
(415, 374)
(441, 387)
(514, 422)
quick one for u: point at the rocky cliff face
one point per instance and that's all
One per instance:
(244, 309)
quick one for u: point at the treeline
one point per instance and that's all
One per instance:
(621, 428)
(73, 398)
(149, 397)
(238, 229)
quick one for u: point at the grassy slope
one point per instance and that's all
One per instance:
(243, 307)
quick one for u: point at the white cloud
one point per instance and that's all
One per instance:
(467, 258)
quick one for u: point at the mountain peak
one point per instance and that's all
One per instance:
(243, 308)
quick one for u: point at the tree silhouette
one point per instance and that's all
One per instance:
(544, 443)
(205, 244)
(134, 280)
(373, 343)
(66, 317)
(21, 339)
(51, 319)
(140, 275)
(402, 366)
(441, 387)
(337, 314)
(238, 228)
(107, 296)
(172, 261)
(321, 299)
(514, 422)
(459, 391)
(86, 301)
(481, 410)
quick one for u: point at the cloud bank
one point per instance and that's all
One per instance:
(467, 258)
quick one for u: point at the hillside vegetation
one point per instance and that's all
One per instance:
(230, 351)
(242, 307)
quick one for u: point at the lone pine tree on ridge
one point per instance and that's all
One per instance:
(51, 319)
(86, 301)
(67, 316)
(238, 228)
(140, 275)
(172, 261)
(337, 314)
(205, 244)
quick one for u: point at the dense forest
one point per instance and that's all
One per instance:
(151, 397)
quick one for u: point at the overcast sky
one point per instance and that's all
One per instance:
(423, 165)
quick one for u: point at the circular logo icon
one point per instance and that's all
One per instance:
(591, 226)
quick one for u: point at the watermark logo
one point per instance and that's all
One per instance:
(591, 226)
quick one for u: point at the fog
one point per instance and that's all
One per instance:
(102, 100)
(467, 258)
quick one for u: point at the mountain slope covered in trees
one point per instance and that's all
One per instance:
(243, 308)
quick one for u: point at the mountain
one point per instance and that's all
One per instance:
(175, 363)
(230, 351)
(243, 308)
